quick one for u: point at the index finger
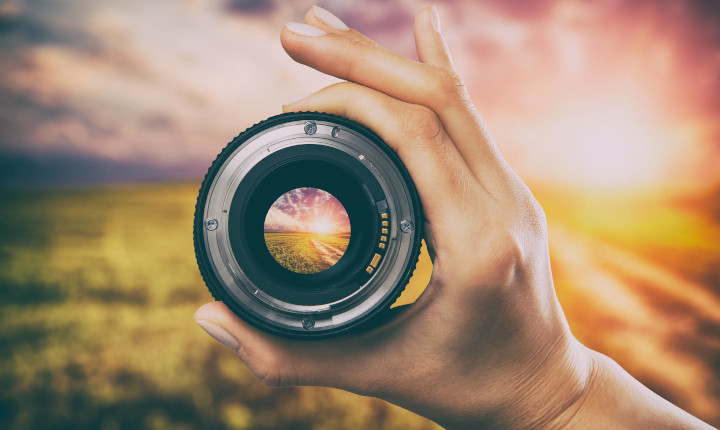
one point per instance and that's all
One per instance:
(434, 87)
(320, 18)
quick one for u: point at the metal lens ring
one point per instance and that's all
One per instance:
(373, 261)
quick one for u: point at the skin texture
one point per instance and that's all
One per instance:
(487, 344)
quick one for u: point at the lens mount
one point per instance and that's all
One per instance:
(308, 150)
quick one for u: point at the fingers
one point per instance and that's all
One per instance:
(274, 361)
(437, 88)
(356, 362)
(371, 66)
(414, 132)
(429, 42)
(326, 21)
(469, 131)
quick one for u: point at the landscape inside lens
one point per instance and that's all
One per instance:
(307, 230)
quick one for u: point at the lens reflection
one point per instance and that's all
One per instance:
(307, 230)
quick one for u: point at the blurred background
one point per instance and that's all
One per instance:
(111, 112)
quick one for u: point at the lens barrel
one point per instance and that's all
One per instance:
(307, 225)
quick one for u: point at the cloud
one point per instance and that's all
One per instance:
(47, 22)
(554, 80)
(170, 83)
(299, 209)
(22, 170)
(250, 6)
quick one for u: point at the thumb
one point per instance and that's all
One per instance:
(278, 361)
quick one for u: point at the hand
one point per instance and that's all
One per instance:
(487, 344)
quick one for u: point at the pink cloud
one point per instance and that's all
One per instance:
(303, 209)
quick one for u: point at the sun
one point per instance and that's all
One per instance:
(322, 226)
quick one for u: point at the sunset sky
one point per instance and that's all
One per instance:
(608, 109)
(602, 94)
(307, 210)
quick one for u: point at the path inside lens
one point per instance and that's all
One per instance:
(328, 253)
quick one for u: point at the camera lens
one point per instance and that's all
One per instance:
(305, 225)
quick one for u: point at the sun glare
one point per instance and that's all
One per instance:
(322, 226)
(616, 142)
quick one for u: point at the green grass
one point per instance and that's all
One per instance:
(98, 288)
(296, 251)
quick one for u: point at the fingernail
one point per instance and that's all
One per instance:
(220, 334)
(329, 19)
(294, 99)
(435, 18)
(304, 29)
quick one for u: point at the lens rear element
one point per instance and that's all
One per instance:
(307, 230)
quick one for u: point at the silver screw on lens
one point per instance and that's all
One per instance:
(406, 226)
(308, 323)
(310, 127)
(211, 224)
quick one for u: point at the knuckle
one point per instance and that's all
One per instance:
(351, 69)
(522, 203)
(357, 44)
(507, 259)
(537, 214)
(522, 239)
(530, 213)
(343, 91)
(419, 122)
(502, 254)
(448, 88)
(268, 377)
(537, 224)
(273, 376)
(341, 86)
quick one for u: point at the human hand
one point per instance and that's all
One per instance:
(487, 344)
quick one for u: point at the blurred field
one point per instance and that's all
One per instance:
(98, 291)
(99, 286)
(638, 275)
(306, 252)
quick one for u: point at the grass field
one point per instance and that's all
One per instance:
(306, 252)
(98, 287)
(97, 292)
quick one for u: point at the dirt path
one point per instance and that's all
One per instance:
(662, 328)
(328, 253)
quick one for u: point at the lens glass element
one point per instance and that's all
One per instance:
(307, 230)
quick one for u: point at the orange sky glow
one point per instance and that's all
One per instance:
(608, 109)
(611, 94)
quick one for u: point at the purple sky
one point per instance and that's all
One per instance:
(596, 94)
(302, 209)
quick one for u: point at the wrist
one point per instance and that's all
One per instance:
(543, 392)
(555, 390)
(614, 399)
